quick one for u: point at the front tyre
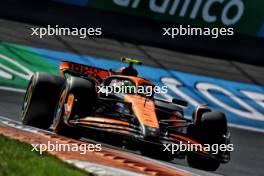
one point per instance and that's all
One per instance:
(40, 100)
(84, 96)
(211, 129)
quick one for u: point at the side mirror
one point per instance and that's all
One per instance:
(180, 102)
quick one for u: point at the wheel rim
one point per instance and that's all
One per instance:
(27, 99)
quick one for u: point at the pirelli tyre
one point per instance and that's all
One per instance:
(40, 100)
(83, 94)
(211, 129)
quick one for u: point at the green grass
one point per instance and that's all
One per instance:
(16, 158)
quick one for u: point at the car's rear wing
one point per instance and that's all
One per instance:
(98, 73)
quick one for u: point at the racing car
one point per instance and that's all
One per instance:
(72, 105)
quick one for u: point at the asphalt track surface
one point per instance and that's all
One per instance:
(248, 157)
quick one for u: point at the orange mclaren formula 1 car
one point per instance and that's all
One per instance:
(78, 103)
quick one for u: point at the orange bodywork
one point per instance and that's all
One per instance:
(103, 120)
(144, 109)
(83, 69)
(115, 125)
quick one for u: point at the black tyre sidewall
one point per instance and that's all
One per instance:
(209, 130)
(41, 106)
(85, 93)
(85, 96)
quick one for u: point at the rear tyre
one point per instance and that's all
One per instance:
(40, 100)
(85, 96)
(209, 130)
